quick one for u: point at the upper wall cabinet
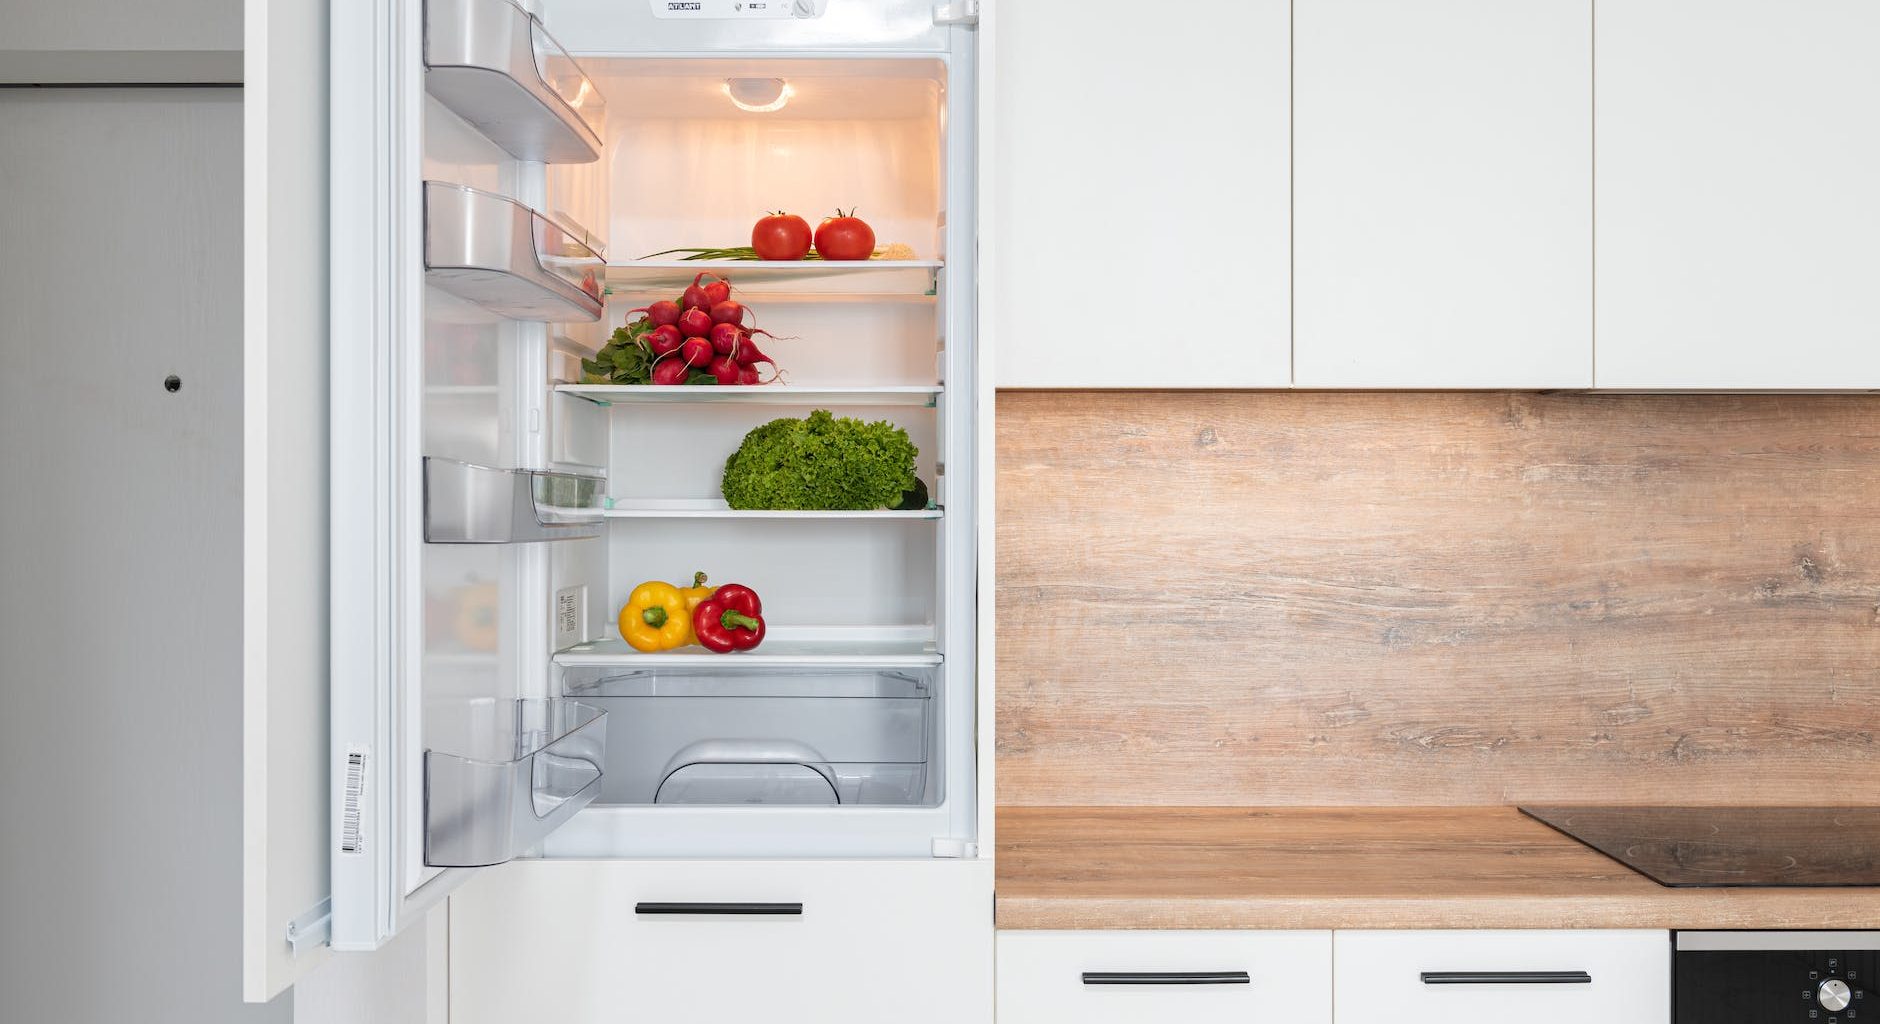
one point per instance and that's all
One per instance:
(1138, 194)
(1738, 199)
(1442, 194)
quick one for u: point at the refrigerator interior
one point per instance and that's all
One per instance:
(848, 732)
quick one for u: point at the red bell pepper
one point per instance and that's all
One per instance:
(731, 619)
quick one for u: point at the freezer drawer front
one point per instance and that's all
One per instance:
(1537, 977)
(1199, 977)
(705, 942)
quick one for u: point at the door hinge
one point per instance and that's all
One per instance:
(312, 928)
(954, 849)
(959, 12)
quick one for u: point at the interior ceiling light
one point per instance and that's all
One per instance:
(758, 95)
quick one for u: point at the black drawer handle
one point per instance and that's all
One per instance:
(736, 909)
(1507, 978)
(1167, 978)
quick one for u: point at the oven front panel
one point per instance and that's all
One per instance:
(1768, 986)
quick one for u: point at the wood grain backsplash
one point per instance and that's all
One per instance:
(1437, 598)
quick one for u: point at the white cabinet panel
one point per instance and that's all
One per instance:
(1137, 190)
(564, 941)
(1443, 193)
(1123, 977)
(1737, 200)
(1438, 977)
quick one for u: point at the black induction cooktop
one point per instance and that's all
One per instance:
(1731, 846)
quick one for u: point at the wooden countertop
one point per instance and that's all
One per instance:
(1355, 867)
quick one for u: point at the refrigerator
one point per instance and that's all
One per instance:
(506, 184)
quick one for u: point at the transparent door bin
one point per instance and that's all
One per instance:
(470, 504)
(494, 65)
(505, 257)
(772, 737)
(500, 775)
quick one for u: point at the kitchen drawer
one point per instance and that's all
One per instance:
(713, 942)
(1133, 977)
(1535, 977)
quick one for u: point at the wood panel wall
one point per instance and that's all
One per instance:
(1437, 598)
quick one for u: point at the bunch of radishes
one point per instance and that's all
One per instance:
(700, 338)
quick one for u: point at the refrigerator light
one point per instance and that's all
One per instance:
(758, 95)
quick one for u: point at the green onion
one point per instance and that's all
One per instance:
(736, 252)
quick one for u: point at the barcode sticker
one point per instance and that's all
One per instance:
(570, 616)
(351, 834)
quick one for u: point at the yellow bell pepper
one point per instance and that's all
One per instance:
(655, 618)
(695, 595)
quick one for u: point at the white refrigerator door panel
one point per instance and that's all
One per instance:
(284, 500)
(422, 633)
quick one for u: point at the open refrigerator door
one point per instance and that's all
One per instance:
(504, 478)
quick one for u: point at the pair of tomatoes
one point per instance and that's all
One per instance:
(785, 236)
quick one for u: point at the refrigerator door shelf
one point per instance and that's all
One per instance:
(470, 504)
(507, 258)
(500, 775)
(494, 65)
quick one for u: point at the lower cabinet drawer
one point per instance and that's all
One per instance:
(722, 942)
(1136, 977)
(1535, 977)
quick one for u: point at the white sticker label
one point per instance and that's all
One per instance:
(352, 837)
(570, 616)
(721, 9)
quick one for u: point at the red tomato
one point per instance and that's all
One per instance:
(845, 237)
(781, 236)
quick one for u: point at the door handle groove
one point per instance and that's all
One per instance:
(722, 909)
(1507, 978)
(1167, 978)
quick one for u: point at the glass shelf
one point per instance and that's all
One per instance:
(500, 775)
(920, 395)
(494, 65)
(715, 508)
(506, 258)
(785, 647)
(840, 280)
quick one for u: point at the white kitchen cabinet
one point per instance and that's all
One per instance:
(1442, 206)
(1137, 192)
(1537, 977)
(1199, 977)
(817, 942)
(1738, 206)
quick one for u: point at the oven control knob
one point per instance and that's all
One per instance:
(1834, 995)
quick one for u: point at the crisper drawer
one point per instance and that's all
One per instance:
(728, 736)
(1132, 977)
(720, 942)
(1535, 977)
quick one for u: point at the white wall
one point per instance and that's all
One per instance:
(115, 41)
(120, 558)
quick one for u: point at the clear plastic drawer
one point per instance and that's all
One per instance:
(846, 737)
